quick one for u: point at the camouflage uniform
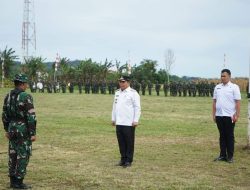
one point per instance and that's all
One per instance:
(80, 84)
(166, 88)
(87, 87)
(150, 86)
(19, 121)
(184, 89)
(157, 88)
(143, 87)
(64, 87)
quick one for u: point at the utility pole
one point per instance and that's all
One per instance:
(56, 66)
(224, 64)
(28, 30)
(129, 64)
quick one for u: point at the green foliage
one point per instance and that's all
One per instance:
(9, 57)
(63, 69)
(34, 67)
(145, 71)
(84, 70)
(89, 69)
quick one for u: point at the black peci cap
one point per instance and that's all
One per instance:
(124, 78)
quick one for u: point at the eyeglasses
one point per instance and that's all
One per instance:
(122, 81)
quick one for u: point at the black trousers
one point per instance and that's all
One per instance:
(226, 129)
(126, 140)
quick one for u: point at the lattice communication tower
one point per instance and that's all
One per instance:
(28, 30)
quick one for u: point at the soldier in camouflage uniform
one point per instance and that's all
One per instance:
(189, 89)
(211, 88)
(64, 87)
(184, 89)
(113, 88)
(179, 88)
(80, 84)
(157, 88)
(103, 86)
(49, 87)
(71, 87)
(137, 86)
(165, 88)
(143, 87)
(173, 88)
(193, 88)
(87, 86)
(206, 88)
(19, 121)
(150, 86)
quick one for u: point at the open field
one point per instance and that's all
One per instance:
(175, 145)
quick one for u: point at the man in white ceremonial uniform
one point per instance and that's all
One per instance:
(226, 111)
(125, 117)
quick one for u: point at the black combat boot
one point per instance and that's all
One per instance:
(20, 185)
(12, 181)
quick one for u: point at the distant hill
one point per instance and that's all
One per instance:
(49, 64)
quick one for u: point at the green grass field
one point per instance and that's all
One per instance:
(176, 141)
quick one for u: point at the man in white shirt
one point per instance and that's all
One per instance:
(125, 116)
(226, 111)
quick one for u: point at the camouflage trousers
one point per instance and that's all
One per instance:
(19, 154)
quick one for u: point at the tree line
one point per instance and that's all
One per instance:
(66, 70)
(86, 70)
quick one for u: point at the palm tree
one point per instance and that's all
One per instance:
(9, 57)
(89, 69)
(34, 66)
(122, 68)
(64, 68)
(104, 69)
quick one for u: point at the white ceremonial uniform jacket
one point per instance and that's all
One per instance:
(126, 107)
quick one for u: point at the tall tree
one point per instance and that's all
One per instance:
(34, 67)
(169, 61)
(9, 57)
(120, 69)
(145, 71)
(89, 70)
(64, 66)
(104, 69)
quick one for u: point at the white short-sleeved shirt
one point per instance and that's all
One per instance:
(225, 96)
(126, 107)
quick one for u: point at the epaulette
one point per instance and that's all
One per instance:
(132, 90)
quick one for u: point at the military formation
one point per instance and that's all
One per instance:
(179, 88)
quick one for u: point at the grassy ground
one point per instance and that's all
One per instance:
(175, 145)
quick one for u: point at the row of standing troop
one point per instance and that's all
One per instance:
(200, 88)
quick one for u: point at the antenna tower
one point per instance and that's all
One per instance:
(28, 30)
(224, 64)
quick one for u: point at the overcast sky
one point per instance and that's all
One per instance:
(199, 32)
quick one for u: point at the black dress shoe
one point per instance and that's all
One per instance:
(121, 163)
(220, 158)
(127, 164)
(230, 160)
